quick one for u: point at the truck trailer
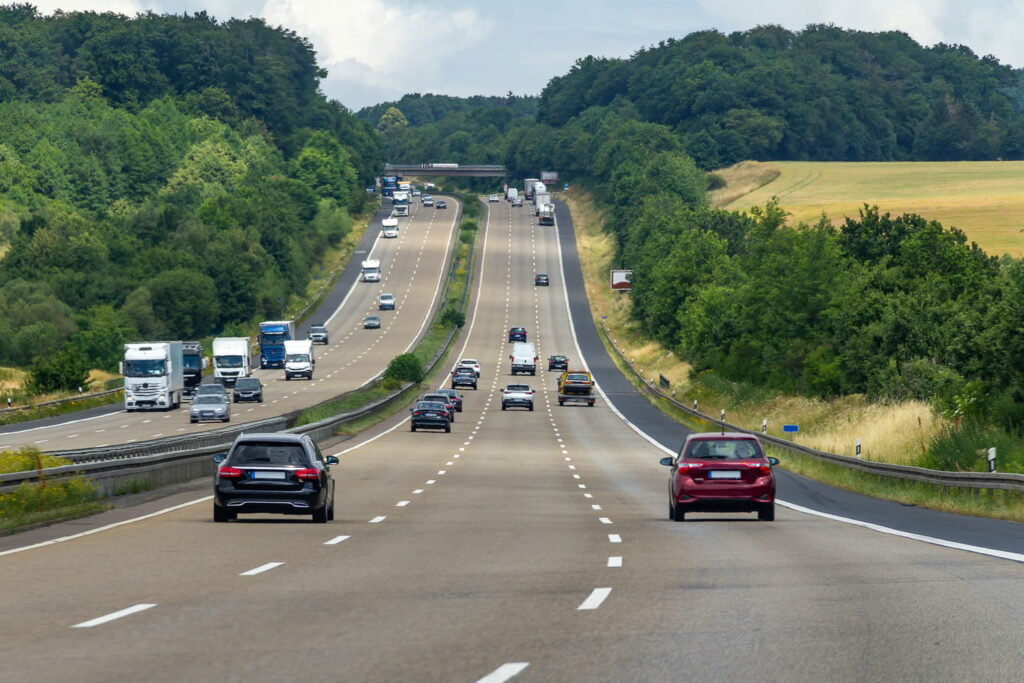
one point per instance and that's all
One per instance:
(195, 363)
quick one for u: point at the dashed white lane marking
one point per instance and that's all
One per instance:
(614, 538)
(262, 568)
(595, 507)
(336, 540)
(588, 495)
(615, 561)
(504, 672)
(604, 520)
(431, 481)
(378, 519)
(418, 491)
(401, 503)
(134, 609)
(596, 597)
(441, 472)
(582, 486)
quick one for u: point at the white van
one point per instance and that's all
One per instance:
(524, 358)
(401, 210)
(389, 227)
(371, 270)
(298, 358)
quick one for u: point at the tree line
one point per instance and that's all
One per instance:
(162, 176)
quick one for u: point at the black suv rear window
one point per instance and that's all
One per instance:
(247, 383)
(269, 454)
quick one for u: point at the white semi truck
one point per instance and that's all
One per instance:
(528, 188)
(298, 358)
(231, 359)
(154, 375)
(540, 200)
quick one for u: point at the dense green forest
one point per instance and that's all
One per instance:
(162, 176)
(891, 306)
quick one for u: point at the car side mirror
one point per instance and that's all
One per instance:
(332, 460)
(220, 457)
(667, 461)
(773, 461)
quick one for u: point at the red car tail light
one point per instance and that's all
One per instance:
(308, 474)
(229, 472)
(418, 413)
(760, 467)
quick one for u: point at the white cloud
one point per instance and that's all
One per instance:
(379, 44)
(127, 7)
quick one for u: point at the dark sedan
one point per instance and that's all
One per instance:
(430, 415)
(275, 474)
(558, 363)
(248, 389)
(464, 377)
(454, 397)
(440, 204)
(443, 398)
(541, 280)
(517, 334)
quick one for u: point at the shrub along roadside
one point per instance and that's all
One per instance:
(44, 501)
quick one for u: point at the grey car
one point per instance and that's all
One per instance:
(371, 322)
(318, 334)
(210, 407)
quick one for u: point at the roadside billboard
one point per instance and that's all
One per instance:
(548, 177)
(622, 279)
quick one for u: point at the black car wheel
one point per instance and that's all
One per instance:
(413, 427)
(767, 513)
(447, 428)
(222, 515)
(321, 514)
(531, 407)
(676, 513)
(330, 511)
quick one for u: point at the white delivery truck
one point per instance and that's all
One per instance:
(524, 358)
(298, 358)
(512, 194)
(231, 359)
(528, 187)
(371, 270)
(540, 200)
(154, 375)
(389, 227)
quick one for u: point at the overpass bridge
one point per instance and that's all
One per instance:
(453, 170)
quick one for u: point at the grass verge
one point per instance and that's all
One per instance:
(39, 412)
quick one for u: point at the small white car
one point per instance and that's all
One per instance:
(470, 363)
(493, 199)
(386, 302)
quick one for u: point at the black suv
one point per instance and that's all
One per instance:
(430, 415)
(517, 334)
(558, 363)
(541, 280)
(464, 377)
(274, 474)
(248, 389)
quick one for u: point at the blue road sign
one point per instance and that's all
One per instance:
(791, 428)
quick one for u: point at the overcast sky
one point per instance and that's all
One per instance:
(377, 50)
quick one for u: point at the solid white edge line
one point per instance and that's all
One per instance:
(141, 607)
(504, 672)
(90, 532)
(355, 283)
(262, 568)
(596, 597)
(70, 422)
(991, 552)
(336, 540)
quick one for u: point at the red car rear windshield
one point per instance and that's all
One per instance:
(723, 449)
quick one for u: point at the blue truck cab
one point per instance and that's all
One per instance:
(273, 335)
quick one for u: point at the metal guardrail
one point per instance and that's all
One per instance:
(192, 451)
(963, 480)
(59, 401)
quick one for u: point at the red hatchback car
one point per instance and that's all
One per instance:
(721, 472)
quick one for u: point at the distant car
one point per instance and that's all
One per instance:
(207, 389)
(721, 472)
(464, 377)
(455, 398)
(558, 363)
(371, 322)
(541, 280)
(389, 231)
(210, 407)
(470, 363)
(247, 389)
(386, 302)
(416, 193)
(440, 204)
(274, 473)
(428, 201)
(493, 199)
(517, 396)
(517, 202)
(517, 334)
(318, 334)
(370, 189)
(443, 398)
(430, 415)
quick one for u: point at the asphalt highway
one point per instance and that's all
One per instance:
(533, 545)
(414, 266)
